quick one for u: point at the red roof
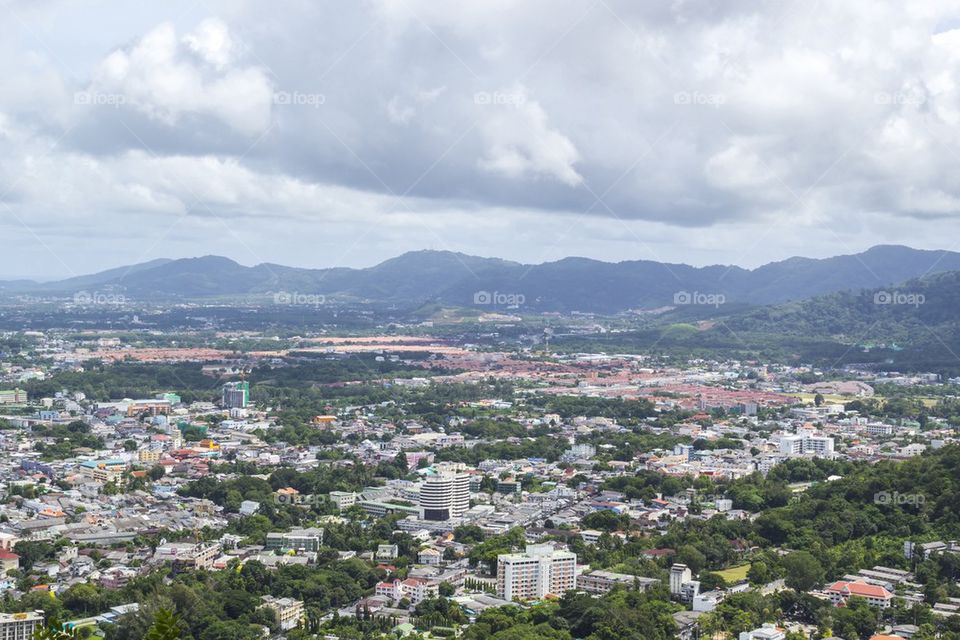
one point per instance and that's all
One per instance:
(861, 589)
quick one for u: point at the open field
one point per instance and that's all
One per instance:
(735, 574)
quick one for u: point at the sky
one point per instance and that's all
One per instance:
(314, 134)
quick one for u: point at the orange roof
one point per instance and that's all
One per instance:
(861, 589)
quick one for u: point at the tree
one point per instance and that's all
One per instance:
(803, 571)
(166, 626)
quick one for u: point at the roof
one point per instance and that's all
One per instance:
(861, 589)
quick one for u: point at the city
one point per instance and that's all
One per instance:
(479, 320)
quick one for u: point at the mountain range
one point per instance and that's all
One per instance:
(570, 284)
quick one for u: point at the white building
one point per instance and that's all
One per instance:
(289, 612)
(767, 631)
(799, 444)
(679, 574)
(20, 626)
(539, 571)
(445, 496)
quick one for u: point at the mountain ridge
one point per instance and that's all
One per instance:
(573, 283)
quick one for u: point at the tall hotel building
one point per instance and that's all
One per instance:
(445, 496)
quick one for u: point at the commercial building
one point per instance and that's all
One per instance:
(540, 571)
(445, 496)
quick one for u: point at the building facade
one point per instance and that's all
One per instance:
(540, 571)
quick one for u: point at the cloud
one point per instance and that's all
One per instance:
(168, 78)
(696, 133)
(520, 142)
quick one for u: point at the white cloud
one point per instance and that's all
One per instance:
(156, 75)
(497, 120)
(519, 141)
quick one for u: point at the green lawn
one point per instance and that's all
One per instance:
(735, 574)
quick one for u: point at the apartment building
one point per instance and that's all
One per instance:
(13, 396)
(236, 395)
(298, 540)
(540, 571)
(799, 444)
(197, 556)
(604, 581)
(289, 612)
(20, 626)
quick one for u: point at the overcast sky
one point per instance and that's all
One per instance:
(315, 133)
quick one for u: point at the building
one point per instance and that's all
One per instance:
(604, 581)
(289, 612)
(13, 396)
(8, 561)
(429, 556)
(875, 595)
(187, 554)
(445, 496)
(103, 470)
(767, 631)
(343, 499)
(540, 571)
(236, 395)
(308, 540)
(679, 574)
(20, 626)
(799, 444)
(387, 552)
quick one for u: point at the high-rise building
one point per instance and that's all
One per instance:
(445, 496)
(236, 395)
(20, 626)
(540, 571)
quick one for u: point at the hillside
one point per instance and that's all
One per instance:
(453, 279)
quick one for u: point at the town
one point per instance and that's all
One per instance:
(410, 484)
